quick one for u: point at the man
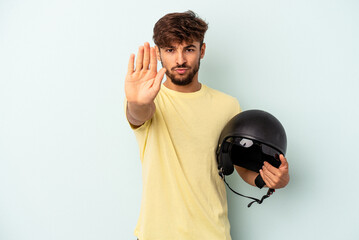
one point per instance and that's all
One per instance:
(177, 125)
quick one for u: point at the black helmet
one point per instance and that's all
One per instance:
(250, 138)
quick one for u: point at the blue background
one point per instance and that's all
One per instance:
(69, 163)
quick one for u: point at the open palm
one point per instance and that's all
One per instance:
(143, 83)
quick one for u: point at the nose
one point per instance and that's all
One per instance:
(180, 58)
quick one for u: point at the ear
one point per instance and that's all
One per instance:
(203, 50)
(158, 54)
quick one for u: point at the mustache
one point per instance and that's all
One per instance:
(180, 66)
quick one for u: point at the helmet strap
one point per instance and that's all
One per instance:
(269, 193)
(259, 181)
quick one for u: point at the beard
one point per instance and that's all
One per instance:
(183, 80)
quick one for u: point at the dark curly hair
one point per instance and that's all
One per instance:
(179, 27)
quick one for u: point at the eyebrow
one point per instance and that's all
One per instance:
(186, 47)
(190, 46)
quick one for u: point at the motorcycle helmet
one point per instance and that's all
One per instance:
(247, 140)
(250, 138)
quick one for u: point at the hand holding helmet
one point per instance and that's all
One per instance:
(275, 177)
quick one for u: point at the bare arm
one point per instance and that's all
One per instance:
(142, 85)
(247, 175)
(138, 114)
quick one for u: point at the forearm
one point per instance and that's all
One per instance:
(247, 175)
(138, 114)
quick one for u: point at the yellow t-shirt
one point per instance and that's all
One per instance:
(183, 196)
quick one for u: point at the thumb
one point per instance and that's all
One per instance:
(284, 162)
(158, 79)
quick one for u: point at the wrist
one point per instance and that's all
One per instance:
(138, 114)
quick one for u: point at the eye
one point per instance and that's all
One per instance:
(169, 50)
(190, 50)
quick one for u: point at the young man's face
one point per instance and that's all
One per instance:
(181, 61)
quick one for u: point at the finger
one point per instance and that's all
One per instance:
(272, 178)
(270, 168)
(284, 163)
(268, 181)
(139, 59)
(131, 64)
(146, 57)
(153, 60)
(271, 174)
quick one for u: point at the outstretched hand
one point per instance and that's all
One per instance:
(275, 177)
(143, 83)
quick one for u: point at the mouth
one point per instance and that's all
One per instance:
(181, 70)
